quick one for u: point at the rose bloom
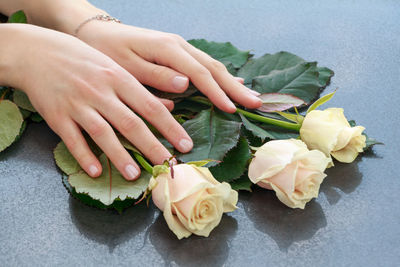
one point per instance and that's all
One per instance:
(330, 132)
(290, 169)
(192, 201)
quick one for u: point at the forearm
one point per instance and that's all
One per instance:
(61, 15)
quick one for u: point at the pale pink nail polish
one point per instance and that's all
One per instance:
(180, 82)
(255, 93)
(185, 145)
(131, 171)
(93, 170)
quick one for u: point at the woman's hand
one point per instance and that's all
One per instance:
(166, 61)
(73, 85)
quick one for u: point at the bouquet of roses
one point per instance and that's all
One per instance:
(274, 147)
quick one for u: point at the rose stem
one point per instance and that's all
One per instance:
(283, 124)
(143, 162)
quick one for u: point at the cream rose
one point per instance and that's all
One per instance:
(290, 169)
(192, 201)
(330, 132)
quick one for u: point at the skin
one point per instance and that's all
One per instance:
(96, 82)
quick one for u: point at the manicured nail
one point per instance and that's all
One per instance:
(239, 79)
(93, 170)
(185, 145)
(180, 82)
(254, 92)
(232, 106)
(131, 171)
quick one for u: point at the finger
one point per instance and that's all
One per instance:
(169, 104)
(78, 147)
(159, 77)
(144, 103)
(228, 83)
(135, 130)
(239, 79)
(182, 61)
(102, 133)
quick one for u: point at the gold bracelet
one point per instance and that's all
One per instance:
(97, 17)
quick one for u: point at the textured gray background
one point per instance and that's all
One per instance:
(355, 221)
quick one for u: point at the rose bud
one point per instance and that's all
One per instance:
(192, 200)
(330, 132)
(290, 169)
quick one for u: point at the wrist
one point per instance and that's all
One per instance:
(60, 15)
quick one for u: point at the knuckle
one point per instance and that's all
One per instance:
(129, 124)
(152, 107)
(108, 73)
(97, 128)
(71, 143)
(158, 71)
(217, 66)
(201, 71)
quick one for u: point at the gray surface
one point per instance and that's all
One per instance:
(355, 221)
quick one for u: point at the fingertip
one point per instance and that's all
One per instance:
(180, 83)
(94, 171)
(185, 145)
(239, 79)
(132, 172)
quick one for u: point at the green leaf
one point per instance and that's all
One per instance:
(255, 130)
(10, 123)
(212, 136)
(21, 131)
(278, 132)
(234, 164)
(300, 80)
(110, 185)
(322, 100)
(64, 159)
(201, 163)
(25, 113)
(224, 52)
(22, 101)
(325, 76)
(66, 162)
(35, 117)
(268, 63)
(86, 199)
(17, 17)
(243, 183)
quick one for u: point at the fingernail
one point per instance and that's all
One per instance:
(254, 98)
(185, 145)
(239, 79)
(180, 82)
(131, 171)
(232, 106)
(93, 170)
(254, 92)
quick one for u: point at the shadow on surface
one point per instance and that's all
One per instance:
(107, 226)
(343, 176)
(195, 250)
(283, 224)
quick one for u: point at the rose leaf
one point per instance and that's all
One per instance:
(10, 123)
(212, 135)
(234, 164)
(228, 54)
(300, 80)
(35, 117)
(110, 185)
(273, 102)
(243, 183)
(22, 101)
(255, 130)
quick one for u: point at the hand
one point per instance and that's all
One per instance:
(165, 61)
(73, 85)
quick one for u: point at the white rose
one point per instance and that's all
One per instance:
(290, 169)
(330, 132)
(192, 201)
